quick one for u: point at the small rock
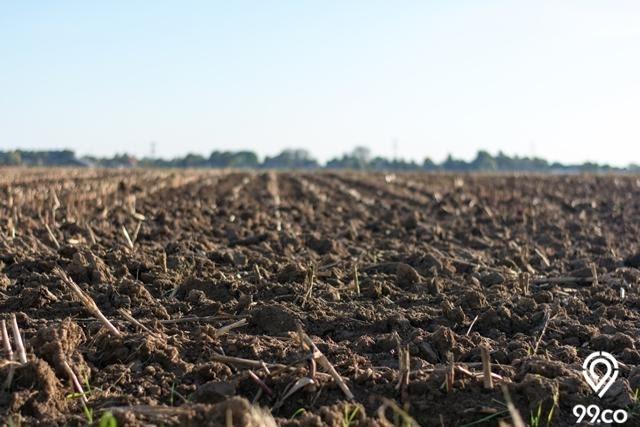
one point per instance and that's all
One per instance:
(427, 352)
(546, 368)
(291, 273)
(633, 260)
(474, 300)
(411, 220)
(321, 245)
(612, 343)
(406, 275)
(620, 394)
(493, 278)
(213, 392)
(454, 314)
(274, 319)
(433, 286)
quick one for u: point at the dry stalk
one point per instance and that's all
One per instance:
(543, 257)
(87, 301)
(486, 368)
(594, 274)
(265, 368)
(228, 328)
(52, 236)
(11, 364)
(465, 371)
(17, 339)
(228, 418)
(92, 235)
(55, 204)
(324, 362)
(301, 383)
(273, 188)
(450, 377)
(313, 368)
(12, 228)
(9, 353)
(163, 261)
(127, 315)
(257, 364)
(405, 368)
(258, 274)
(310, 279)
(74, 380)
(195, 319)
(475, 319)
(524, 282)
(547, 317)
(5, 340)
(356, 280)
(136, 231)
(130, 203)
(127, 238)
(260, 383)
(513, 411)
(138, 216)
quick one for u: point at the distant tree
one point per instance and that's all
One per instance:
(503, 162)
(589, 167)
(192, 161)
(362, 155)
(344, 162)
(245, 159)
(358, 158)
(229, 159)
(429, 165)
(119, 161)
(11, 158)
(220, 159)
(452, 164)
(291, 159)
(484, 162)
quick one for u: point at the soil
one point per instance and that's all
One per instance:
(366, 264)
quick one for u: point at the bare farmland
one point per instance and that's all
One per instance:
(347, 299)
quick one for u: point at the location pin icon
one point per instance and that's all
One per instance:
(600, 383)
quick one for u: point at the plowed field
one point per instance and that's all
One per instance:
(216, 282)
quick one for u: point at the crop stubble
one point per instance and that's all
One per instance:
(224, 288)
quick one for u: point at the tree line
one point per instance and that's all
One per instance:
(359, 159)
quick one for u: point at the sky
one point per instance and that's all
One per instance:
(556, 79)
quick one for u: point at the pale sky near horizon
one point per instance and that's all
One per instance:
(558, 79)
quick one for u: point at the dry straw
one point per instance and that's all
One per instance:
(324, 362)
(87, 301)
(17, 339)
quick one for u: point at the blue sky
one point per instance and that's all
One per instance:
(559, 79)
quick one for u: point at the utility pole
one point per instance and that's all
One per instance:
(532, 148)
(394, 141)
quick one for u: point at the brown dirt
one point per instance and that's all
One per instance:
(433, 254)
